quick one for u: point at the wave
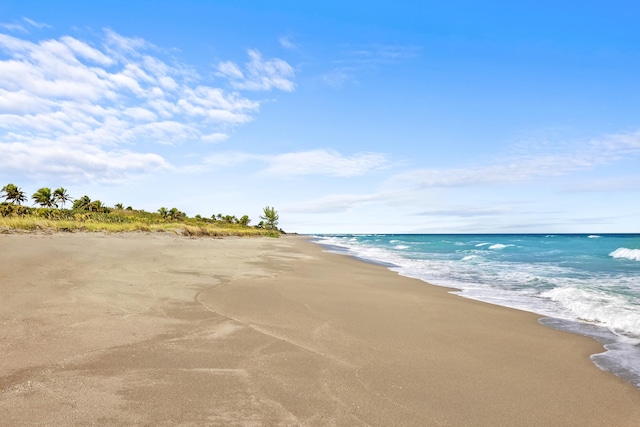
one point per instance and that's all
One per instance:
(633, 254)
(499, 246)
(603, 297)
(611, 311)
(594, 236)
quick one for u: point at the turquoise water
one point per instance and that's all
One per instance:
(587, 284)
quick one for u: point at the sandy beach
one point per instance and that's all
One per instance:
(160, 329)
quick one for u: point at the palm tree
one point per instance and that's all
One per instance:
(81, 204)
(60, 195)
(96, 206)
(176, 215)
(119, 206)
(44, 197)
(14, 194)
(271, 217)
(163, 212)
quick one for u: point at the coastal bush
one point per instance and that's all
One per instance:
(92, 215)
(270, 217)
(10, 209)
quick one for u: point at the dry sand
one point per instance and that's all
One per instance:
(157, 329)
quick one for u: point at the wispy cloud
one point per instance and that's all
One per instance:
(359, 59)
(35, 24)
(23, 25)
(524, 168)
(338, 77)
(606, 185)
(378, 54)
(260, 74)
(324, 162)
(46, 158)
(319, 162)
(101, 101)
(287, 42)
(410, 189)
(468, 211)
(333, 203)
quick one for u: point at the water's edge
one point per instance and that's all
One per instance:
(619, 358)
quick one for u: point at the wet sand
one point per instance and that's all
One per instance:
(158, 329)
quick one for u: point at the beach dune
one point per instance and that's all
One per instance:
(159, 329)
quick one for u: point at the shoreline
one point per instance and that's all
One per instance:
(619, 355)
(162, 329)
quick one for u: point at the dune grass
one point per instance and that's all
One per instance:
(114, 224)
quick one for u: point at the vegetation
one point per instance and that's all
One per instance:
(61, 196)
(13, 194)
(92, 215)
(271, 217)
(44, 197)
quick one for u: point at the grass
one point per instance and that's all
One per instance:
(121, 223)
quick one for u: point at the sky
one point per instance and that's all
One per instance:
(346, 117)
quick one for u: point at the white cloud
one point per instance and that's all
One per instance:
(230, 70)
(77, 163)
(359, 59)
(314, 162)
(468, 211)
(339, 77)
(261, 74)
(215, 137)
(141, 114)
(20, 102)
(21, 27)
(617, 146)
(605, 185)
(84, 50)
(38, 25)
(100, 100)
(285, 42)
(333, 203)
(382, 53)
(525, 168)
(120, 45)
(12, 26)
(324, 162)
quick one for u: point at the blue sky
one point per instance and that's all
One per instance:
(347, 117)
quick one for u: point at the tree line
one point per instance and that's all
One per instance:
(57, 199)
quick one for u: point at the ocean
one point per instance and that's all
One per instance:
(585, 284)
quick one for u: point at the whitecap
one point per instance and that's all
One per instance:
(401, 247)
(612, 311)
(594, 236)
(498, 246)
(633, 254)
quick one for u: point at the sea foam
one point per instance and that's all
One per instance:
(611, 311)
(499, 246)
(561, 277)
(633, 254)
